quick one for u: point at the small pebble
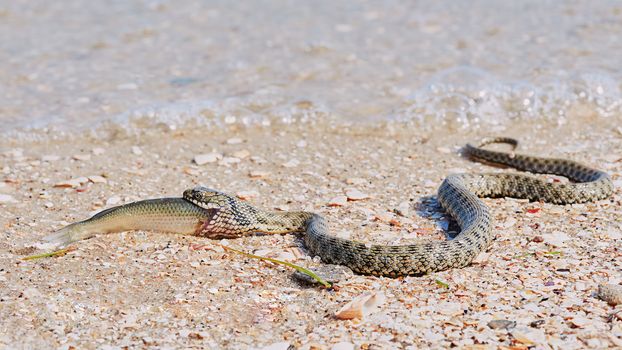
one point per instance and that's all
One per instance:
(345, 234)
(555, 239)
(113, 200)
(263, 252)
(234, 141)
(611, 293)
(97, 179)
(6, 198)
(50, 158)
(299, 197)
(286, 256)
(73, 183)
(258, 160)
(315, 346)
(245, 195)
(343, 345)
(241, 154)
(338, 201)
(482, 258)
(580, 321)
(292, 163)
(230, 119)
(127, 86)
(429, 184)
(14, 153)
(282, 207)
(31, 293)
(403, 209)
(356, 195)
(451, 308)
(207, 158)
(83, 157)
(136, 150)
(284, 345)
(444, 150)
(384, 216)
(226, 161)
(614, 234)
(502, 324)
(355, 181)
(256, 174)
(509, 222)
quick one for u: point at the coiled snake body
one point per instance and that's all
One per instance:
(210, 213)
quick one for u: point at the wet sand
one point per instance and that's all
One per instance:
(147, 290)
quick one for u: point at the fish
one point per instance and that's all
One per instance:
(171, 215)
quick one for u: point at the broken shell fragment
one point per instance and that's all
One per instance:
(201, 159)
(338, 201)
(356, 195)
(361, 306)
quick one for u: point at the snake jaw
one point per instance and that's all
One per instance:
(206, 227)
(212, 227)
(205, 205)
(217, 225)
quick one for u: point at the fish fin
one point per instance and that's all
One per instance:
(68, 234)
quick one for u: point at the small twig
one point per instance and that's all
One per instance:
(554, 252)
(51, 254)
(530, 254)
(296, 267)
(441, 283)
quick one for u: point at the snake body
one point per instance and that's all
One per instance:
(216, 214)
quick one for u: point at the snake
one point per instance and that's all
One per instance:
(205, 212)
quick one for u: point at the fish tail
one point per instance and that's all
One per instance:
(69, 234)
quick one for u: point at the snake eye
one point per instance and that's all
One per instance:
(204, 197)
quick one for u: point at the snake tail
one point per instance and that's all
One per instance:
(588, 184)
(174, 215)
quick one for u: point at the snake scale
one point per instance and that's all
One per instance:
(214, 214)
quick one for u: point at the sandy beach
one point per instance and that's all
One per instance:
(353, 110)
(144, 290)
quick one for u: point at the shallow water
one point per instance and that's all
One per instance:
(71, 65)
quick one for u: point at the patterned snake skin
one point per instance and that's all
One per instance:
(458, 195)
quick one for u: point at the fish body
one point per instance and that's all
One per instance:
(174, 215)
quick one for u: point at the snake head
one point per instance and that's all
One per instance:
(208, 198)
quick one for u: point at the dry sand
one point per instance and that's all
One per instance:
(537, 282)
